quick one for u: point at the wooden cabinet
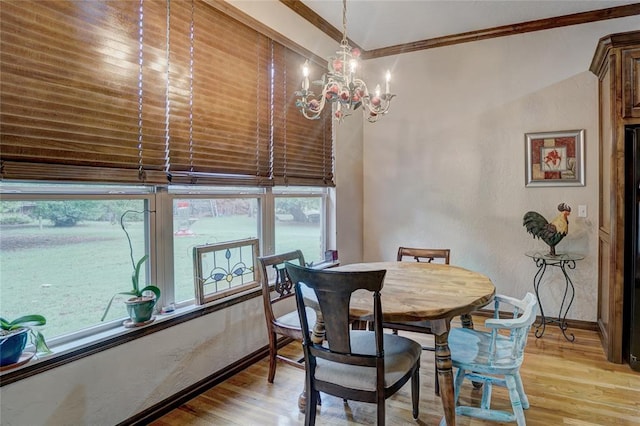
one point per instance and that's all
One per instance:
(616, 62)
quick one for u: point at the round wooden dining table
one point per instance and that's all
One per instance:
(415, 291)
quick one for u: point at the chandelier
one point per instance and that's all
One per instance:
(342, 87)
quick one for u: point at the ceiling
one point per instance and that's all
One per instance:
(375, 24)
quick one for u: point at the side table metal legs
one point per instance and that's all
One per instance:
(564, 306)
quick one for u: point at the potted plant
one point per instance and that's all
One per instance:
(140, 305)
(14, 335)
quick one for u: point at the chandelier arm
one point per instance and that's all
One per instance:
(315, 113)
(362, 85)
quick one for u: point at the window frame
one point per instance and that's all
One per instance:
(158, 198)
(167, 197)
(305, 192)
(94, 192)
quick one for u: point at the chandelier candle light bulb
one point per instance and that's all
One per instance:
(342, 88)
(387, 79)
(305, 72)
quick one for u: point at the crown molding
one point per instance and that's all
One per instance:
(505, 30)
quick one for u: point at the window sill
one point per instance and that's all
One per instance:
(326, 264)
(77, 349)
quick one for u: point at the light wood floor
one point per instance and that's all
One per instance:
(567, 384)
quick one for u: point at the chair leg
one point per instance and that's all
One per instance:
(415, 392)
(381, 411)
(436, 387)
(515, 400)
(457, 385)
(273, 352)
(485, 403)
(523, 396)
(311, 408)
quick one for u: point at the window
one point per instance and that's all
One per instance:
(300, 222)
(121, 98)
(208, 219)
(64, 253)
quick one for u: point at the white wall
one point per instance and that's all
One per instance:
(445, 168)
(114, 385)
(349, 189)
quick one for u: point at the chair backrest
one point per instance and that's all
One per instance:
(283, 287)
(524, 315)
(331, 291)
(423, 254)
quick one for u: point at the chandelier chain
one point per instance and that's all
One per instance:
(344, 23)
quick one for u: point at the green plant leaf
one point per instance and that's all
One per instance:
(108, 306)
(4, 324)
(29, 320)
(23, 321)
(135, 278)
(39, 342)
(153, 289)
(126, 293)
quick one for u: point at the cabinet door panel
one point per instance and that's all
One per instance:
(606, 152)
(631, 82)
(604, 283)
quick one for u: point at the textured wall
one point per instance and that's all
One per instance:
(446, 167)
(111, 386)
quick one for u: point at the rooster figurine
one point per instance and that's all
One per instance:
(550, 232)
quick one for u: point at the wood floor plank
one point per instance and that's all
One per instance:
(568, 383)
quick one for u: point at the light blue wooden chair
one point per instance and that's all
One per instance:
(494, 358)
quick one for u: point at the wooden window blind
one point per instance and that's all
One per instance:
(75, 102)
(152, 91)
(219, 130)
(303, 150)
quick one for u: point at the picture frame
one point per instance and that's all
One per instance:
(554, 158)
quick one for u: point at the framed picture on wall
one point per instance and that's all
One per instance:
(554, 158)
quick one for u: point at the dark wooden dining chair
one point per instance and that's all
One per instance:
(273, 294)
(419, 255)
(359, 365)
(423, 254)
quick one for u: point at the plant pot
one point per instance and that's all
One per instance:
(12, 345)
(140, 309)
